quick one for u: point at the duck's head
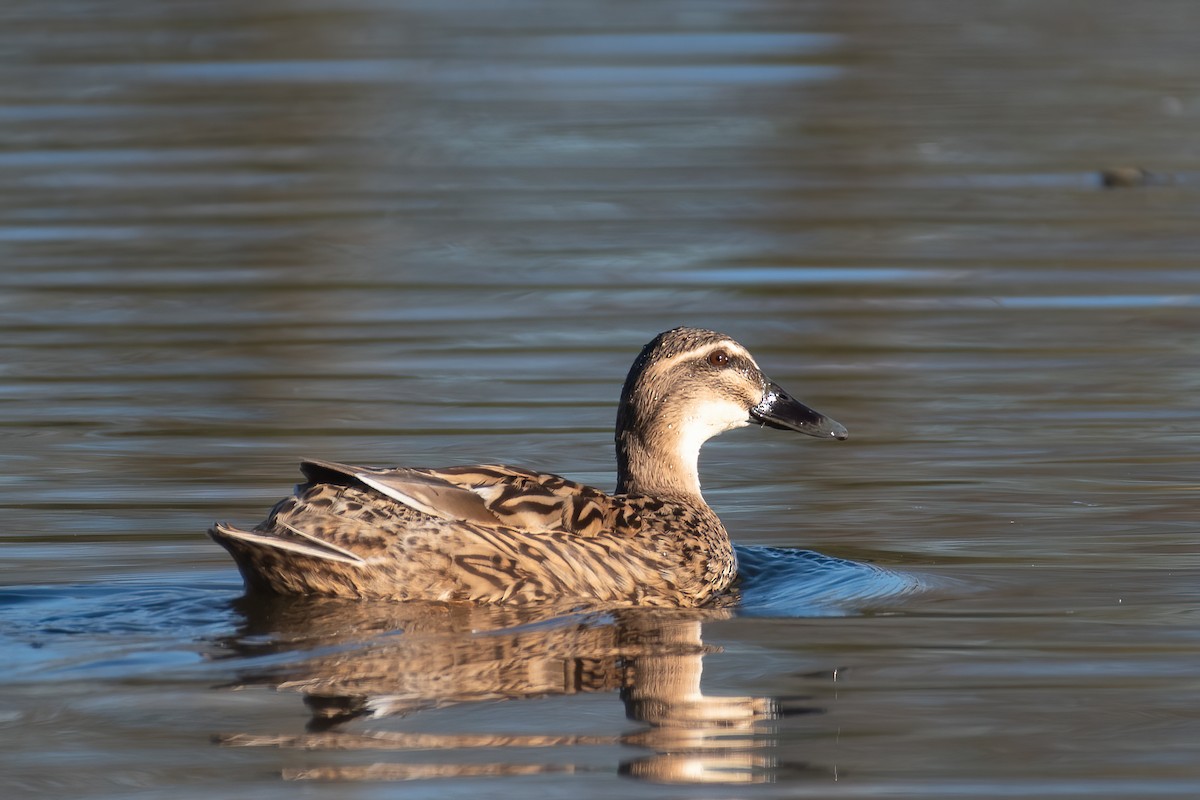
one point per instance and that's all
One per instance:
(685, 387)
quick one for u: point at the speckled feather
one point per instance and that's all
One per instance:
(573, 541)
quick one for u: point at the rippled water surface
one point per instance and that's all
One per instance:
(237, 234)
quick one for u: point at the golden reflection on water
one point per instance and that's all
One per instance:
(383, 660)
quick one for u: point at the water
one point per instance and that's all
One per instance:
(235, 235)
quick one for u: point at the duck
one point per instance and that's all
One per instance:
(499, 534)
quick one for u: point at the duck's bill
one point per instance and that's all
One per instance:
(779, 409)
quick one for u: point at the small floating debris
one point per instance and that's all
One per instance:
(1125, 177)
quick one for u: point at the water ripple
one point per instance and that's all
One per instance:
(782, 582)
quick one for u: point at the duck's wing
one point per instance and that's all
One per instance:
(492, 495)
(416, 488)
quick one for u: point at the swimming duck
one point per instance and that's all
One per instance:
(502, 534)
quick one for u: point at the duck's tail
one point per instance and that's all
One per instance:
(286, 560)
(292, 540)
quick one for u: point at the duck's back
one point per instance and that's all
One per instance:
(489, 534)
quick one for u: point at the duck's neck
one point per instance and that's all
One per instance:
(659, 463)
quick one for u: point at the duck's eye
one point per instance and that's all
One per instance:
(718, 358)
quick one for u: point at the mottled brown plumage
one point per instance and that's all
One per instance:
(500, 534)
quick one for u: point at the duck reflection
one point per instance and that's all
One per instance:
(369, 661)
